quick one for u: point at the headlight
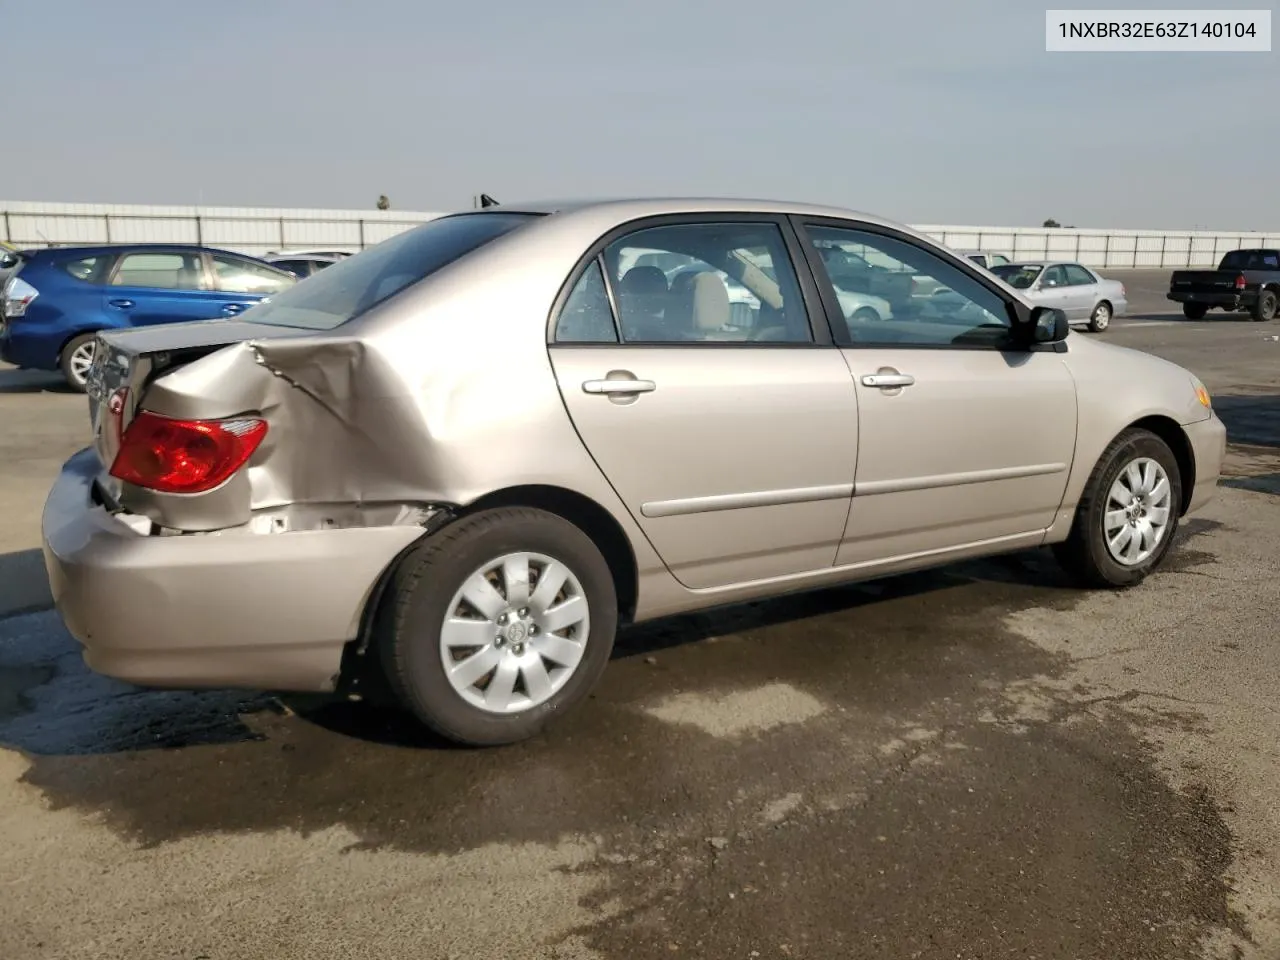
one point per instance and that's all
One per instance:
(1201, 393)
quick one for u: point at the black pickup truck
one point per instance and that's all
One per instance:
(1246, 280)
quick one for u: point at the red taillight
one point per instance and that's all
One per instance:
(184, 456)
(1240, 282)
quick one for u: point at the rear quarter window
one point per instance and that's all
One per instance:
(86, 269)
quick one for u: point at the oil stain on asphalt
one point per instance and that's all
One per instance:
(836, 774)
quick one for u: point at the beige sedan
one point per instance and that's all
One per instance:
(461, 459)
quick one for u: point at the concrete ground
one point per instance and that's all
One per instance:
(978, 762)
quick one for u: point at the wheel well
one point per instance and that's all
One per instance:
(588, 516)
(66, 340)
(1168, 430)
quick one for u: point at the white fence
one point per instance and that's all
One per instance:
(257, 230)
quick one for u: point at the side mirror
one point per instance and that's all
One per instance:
(1048, 325)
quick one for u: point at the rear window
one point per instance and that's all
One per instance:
(1251, 260)
(355, 285)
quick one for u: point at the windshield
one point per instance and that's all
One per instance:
(355, 285)
(1019, 275)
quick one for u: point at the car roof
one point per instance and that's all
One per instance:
(628, 208)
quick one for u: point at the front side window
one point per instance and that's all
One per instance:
(357, 284)
(241, 276)
(1018, 275)
(161, 271)
(1054, 277)
(944, 306)
(707, 283)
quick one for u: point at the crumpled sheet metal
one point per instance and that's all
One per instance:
(342, 428)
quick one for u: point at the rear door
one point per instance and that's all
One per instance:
(731, 440)
(1083, 292)
(964, 440)
(240, 283)
(159, 286)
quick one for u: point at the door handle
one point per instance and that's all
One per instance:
(122, 304)
(888, 380)
(231, 309)
(614, 387)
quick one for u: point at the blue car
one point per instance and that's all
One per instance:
(54, 301)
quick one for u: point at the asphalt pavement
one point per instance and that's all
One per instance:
(977, 762)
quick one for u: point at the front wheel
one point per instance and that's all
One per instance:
(1265, 307)
(1195, 311)
(76, 360)
(497, 623)
(1128, 514)
(1101, 318)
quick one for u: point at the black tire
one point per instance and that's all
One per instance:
(1084, 554)
(408, 628)
(1195, 311)
(65, 364)
(1264, 308)
(866, 315)
(1100, 319)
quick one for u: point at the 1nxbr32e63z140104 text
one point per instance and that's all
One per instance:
(1158, 31)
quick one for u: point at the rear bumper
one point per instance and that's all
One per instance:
(259, 611)
(1229, 301)
(1208, 440)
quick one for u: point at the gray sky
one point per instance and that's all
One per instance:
(926, 111)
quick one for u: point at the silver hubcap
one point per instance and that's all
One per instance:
(515, 633)
(1139, 507)
(1103, 315)
(81, 360)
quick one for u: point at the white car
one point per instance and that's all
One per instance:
(1084, 296)
(984, 258)
(862, 307)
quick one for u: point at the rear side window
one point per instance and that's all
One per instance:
(162, 271)
(1078, 276)
(88, 269)
(357, 284)
(234, 275)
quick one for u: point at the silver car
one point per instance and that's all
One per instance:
(1084, 296)
(462, 459)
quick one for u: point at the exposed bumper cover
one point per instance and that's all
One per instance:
(260, 611)
(1209, 448)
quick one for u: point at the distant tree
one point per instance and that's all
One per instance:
(384, 203)
(1051, 223)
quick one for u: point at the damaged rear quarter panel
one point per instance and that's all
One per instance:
(441, 395)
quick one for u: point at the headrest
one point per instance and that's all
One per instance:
(643, 281)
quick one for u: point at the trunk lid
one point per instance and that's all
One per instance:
(1207, 281)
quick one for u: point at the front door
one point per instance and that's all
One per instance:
(964, 440)
(729, 434)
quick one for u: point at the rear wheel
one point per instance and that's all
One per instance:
(1101, 318)
(1128, 515)
(1265, 307)
(1194, 311)
(498, 623)
(76, 359)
